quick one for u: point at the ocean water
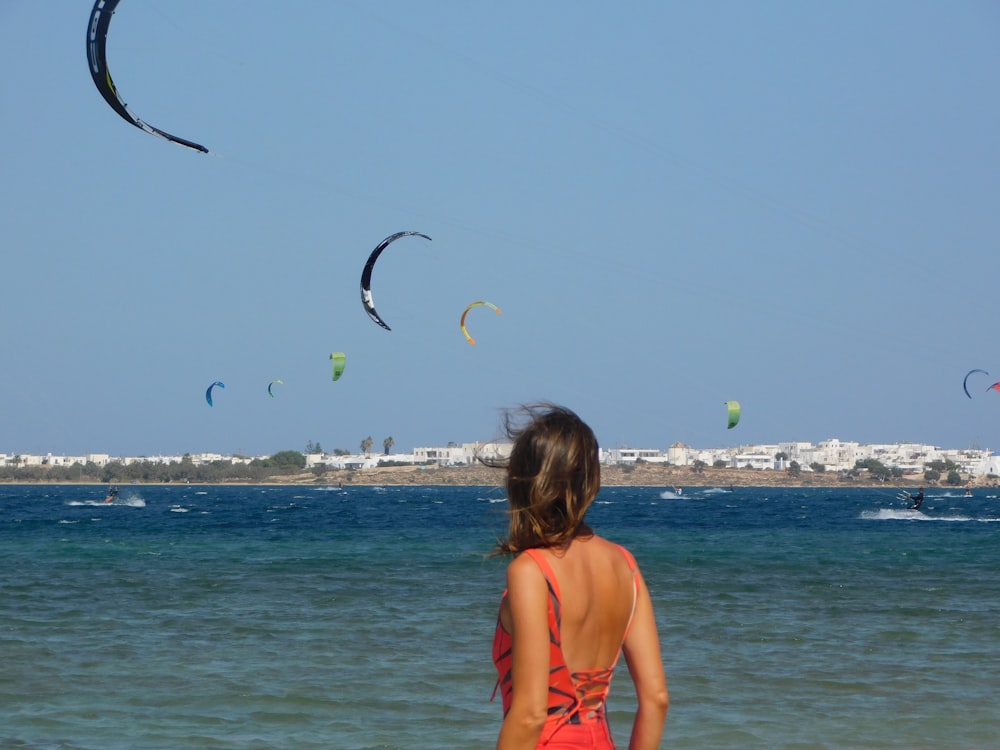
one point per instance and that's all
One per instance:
(311, 617)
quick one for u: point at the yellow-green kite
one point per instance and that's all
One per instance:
(478, 303)
(733, 407)
(339, 363)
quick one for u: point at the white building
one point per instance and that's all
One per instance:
(752, 460)
(834, 454)
(450, 455)
(352, 461)
(633, 455)
(971, 460)
(492, 451)
(990, 466)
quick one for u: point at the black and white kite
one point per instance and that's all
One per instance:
(366, 275)
(97, 37)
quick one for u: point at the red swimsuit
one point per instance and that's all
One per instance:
(576, 715)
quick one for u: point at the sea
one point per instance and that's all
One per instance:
(186, 616)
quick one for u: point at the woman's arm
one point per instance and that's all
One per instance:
(645, 665)
(527, 598)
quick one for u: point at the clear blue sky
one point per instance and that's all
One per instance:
(796, 205)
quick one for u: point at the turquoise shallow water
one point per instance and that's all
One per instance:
(290, 617)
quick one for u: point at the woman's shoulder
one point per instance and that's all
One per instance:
(606, 543)
(612, 551)
(525, 560)
(527, 570)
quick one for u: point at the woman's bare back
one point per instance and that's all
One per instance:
(597, 591)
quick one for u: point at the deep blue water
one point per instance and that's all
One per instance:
(309, 617)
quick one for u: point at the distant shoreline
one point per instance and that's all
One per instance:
(639, 475)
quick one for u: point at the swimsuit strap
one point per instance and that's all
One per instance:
(635, 590)
(540, 559)
(503, 653)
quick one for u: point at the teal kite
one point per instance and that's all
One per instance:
(965, 381)
(208, 393)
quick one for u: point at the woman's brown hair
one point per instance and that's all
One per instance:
(553, 475)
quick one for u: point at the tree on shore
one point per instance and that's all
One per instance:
(877, 470)
(366, 445)
(387, 445)
(288, 460)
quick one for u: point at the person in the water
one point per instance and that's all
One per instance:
(917, 499)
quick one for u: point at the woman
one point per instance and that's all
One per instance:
(574, 601)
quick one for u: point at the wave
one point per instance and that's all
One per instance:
(693, 492)
(895, 514)
(130, 502)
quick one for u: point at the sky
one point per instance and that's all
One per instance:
(793, 205)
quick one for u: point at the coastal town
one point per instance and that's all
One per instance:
(912, 461)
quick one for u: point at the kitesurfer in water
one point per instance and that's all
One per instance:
(574, 600)
(112, 493)
(917, 499)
